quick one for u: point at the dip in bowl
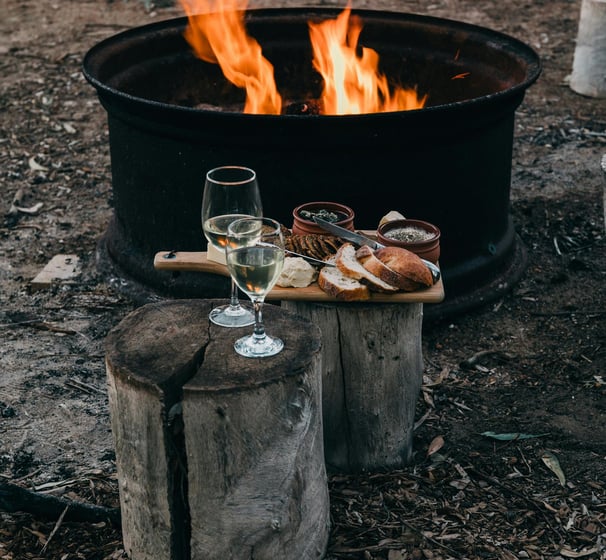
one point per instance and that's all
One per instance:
(303, 217)
(419, 237)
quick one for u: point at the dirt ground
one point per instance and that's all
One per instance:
(531, 363)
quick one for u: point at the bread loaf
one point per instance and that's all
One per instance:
(349, 264)
(377, 267)
(371, 263)
(407, 265)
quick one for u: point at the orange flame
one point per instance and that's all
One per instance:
(220, 37)
(352, 83)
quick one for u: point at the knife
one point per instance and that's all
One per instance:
(347, 234)
(359, 239)
(312, 260)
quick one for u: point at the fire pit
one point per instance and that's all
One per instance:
(173, 116)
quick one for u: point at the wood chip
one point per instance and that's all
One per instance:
(59, 268)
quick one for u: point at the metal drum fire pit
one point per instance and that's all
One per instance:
(171, 118)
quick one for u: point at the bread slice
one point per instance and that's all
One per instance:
(377, 267)
(332, 281)
(371, 263)
(349, 265)
(408, 265)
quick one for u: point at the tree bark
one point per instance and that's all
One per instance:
(589, 63)
(371, 379)
(218, 456)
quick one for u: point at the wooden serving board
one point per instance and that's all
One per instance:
(198, 262)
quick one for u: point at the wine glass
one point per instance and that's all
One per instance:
(255, 257)
(230, 192)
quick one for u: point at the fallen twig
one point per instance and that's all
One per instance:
(23, 226)
(476, 358)
(43, 326)
(55, 529)
(86, 387)
(15, 498)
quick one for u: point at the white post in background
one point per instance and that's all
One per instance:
(589, 65)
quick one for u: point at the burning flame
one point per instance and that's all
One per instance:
(352, 82)
(220, 37)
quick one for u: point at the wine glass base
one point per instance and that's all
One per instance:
(228, 316)
(253, 347)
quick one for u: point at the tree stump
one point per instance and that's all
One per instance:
(589, 64)
(218, 456)
(371, 380)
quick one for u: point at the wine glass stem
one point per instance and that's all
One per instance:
(234, 302)
(259, 330)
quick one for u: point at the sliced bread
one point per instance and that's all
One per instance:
(371, 263)
(377, 267)
(336, 284)
(349, 264)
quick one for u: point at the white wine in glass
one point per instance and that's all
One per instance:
(255, 258)
(231, 192)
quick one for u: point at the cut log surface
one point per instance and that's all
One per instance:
(372, 375)
(218, 456)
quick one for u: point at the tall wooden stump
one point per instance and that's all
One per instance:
(372, 376)
(218, 456)
(589, 64)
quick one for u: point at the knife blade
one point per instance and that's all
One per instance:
(359, 239)
(347, 234)
(312, 260)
